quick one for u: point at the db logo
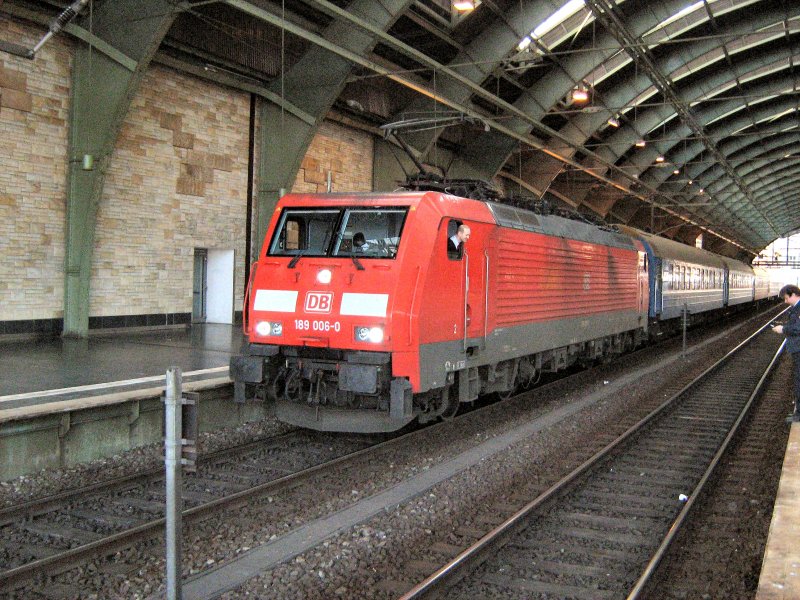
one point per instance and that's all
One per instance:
(319, 302)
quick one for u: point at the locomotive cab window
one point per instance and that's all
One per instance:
(370, 232)
(306, 232)
(361, 232)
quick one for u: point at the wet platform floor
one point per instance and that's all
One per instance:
(35, 366)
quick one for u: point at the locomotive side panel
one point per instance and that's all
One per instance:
(546, 293)
(551, 292)
(452, 304)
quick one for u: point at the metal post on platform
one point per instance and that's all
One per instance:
(685, 320)
(172, 459)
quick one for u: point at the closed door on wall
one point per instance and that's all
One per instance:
(219, 295)
(200, 285)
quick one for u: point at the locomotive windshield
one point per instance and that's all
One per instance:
(360, 232)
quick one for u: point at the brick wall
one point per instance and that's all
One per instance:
(345, 153)
(34, 108)
(177, 181)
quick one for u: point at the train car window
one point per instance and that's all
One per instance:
(308, 232)
(452, 228)
(370, 232)
(666, 277)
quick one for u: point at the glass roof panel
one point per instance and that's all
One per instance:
(558, 17)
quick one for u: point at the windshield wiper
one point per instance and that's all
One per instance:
(293, 262)
(357, 262)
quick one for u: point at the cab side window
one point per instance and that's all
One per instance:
(453, 252)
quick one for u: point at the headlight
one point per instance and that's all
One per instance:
(369, 334)
(265, 328)
(324, 276)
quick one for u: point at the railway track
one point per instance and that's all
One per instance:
(731, 521)
(55, 533)
(601, 531)
(48, 536)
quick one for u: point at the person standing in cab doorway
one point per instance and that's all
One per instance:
(791, 329)
(455, 244)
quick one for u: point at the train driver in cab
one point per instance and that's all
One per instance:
(455, 244)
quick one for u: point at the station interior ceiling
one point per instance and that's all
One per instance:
(677, 117)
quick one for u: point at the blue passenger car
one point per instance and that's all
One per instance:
(682, 275)
(762, 284)
(740, 282)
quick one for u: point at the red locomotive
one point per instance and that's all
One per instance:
(359, 318)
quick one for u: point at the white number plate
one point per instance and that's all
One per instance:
(315, 325)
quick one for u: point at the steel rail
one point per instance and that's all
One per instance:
(680, 520)
(450, 573)
(39, 506)
(17, 576)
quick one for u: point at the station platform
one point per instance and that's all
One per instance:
(54, 364)
(67, 401)
(780, 569)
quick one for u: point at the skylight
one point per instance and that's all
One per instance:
(558, 17)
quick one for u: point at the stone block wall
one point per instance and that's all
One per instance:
(345, 153)
(34, 109)
(177, 181)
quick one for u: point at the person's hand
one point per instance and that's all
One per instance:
(778, 329)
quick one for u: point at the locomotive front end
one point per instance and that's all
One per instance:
(318, 317)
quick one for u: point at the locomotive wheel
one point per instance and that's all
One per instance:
(437, 403)
(293, 388)
(506, 394)
(449, 405)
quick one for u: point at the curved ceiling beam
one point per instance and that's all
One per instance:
(476, 63)
(774, 198)
(103, 86)
(698, 55)
(752, 160)
(783, 176)
(693, 152)
(606, 13)
(786, 197)
(286, 135)
(714, 180)
(726, 131)
(555, 85)
(775, 61)
(774, 87)
(647, 158)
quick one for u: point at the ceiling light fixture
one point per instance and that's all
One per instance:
(659, 159)
(676, 172)
(580, 94)
(641, 143)
(463, 5)
(613, 122)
